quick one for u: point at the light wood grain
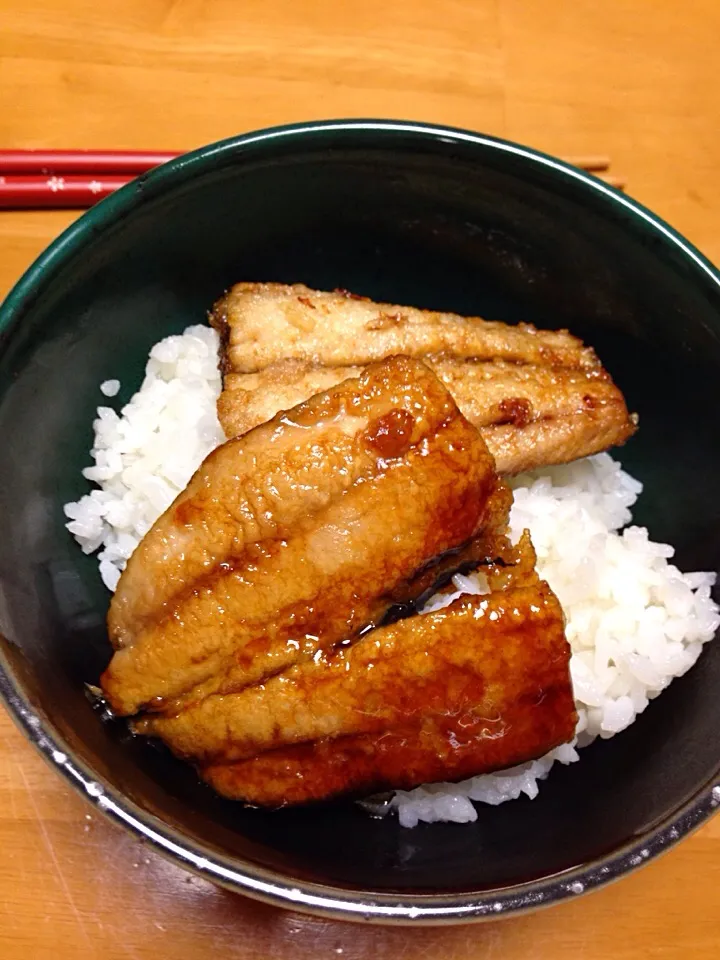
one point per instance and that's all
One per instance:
(634, 79)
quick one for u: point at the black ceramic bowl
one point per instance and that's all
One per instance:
(410, 214)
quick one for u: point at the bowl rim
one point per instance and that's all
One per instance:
(232, 872)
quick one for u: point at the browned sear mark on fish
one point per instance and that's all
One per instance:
(384, 321)
(516, 410)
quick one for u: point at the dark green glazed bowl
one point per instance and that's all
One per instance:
(411, 214)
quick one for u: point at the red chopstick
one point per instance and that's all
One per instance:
(77, 162)
(44, 192)
(75, 179)
(39, 179)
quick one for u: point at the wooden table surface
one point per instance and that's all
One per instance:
(635, 79)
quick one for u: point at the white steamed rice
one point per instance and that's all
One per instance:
(634, 621)
(146, 456)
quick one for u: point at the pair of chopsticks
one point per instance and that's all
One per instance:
(43, 179)
(76, 179)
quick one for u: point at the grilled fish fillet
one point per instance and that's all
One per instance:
(262, 323)
(538, 397)
(529, 416)
(297, 536)
(480, 685)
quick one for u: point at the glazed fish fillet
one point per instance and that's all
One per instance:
(480, 685)
(538, 397)
(297, 536)
(351, 690)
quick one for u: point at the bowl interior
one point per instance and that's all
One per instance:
(408, 219)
